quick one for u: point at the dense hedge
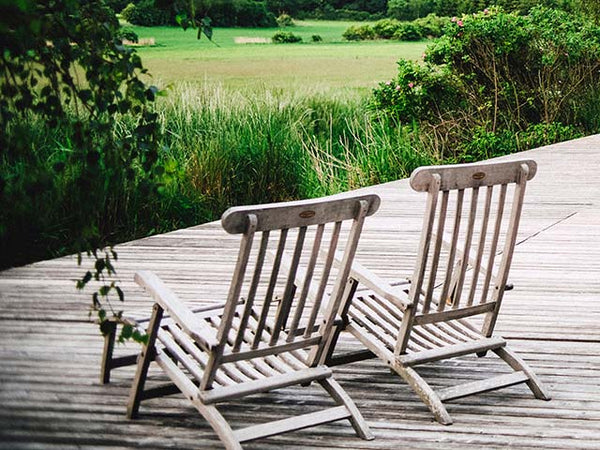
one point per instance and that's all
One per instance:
(495, 77)
(425, 27)
(413, 9)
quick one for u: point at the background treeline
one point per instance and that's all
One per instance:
(263, 13)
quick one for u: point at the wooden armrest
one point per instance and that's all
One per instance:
(377, 284)
(178, 312)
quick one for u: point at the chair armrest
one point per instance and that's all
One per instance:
(178, 312)
(377, 284)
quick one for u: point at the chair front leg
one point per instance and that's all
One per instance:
(107, 355)
(340, 323)
(144, 359)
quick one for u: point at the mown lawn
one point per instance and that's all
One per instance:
(328, 65)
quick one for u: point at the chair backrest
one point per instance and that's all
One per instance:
(469, 232)
(276, 304)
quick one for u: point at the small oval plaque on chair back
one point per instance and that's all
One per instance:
(307, 214)
(479, 175)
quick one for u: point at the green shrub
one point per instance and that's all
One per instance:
(386, 28)
(500, 74)
(128, 34)
(485, 144)
(417, 93)
(316, 38)
(359, 33)
(523, 69)
(408, 31)
(431, 25)
(285, 20)
(145, 13)
(285, 37)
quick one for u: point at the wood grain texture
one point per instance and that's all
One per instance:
(50, 396)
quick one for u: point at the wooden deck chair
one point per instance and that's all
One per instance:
(450, 306)
(272, 330)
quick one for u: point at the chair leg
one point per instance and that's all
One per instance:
(341, 397)
(107, 355)
(517, 364)
(218, 424)
(426, 393)
(144, 359)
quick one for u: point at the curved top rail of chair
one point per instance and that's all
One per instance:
(298, 213)
(463, 176)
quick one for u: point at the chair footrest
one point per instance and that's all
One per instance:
(266, 384)
(292, 423)
(476, 387)
(481, 345)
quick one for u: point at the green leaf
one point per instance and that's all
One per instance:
(126, 331)
(106, 327)
(141, 338)
(120, 293)
(100, 265)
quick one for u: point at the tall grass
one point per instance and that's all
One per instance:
(219, 148)
(279, 145)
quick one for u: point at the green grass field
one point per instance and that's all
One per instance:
(328, 65)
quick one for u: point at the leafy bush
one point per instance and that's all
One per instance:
(500, 74)
(285, 20)
(431, 25)
(485, 144)
(285, 37)
(359, 33)
(523, 69)
(408, 31)
(385, 28)
(316, 38)
(66, 161)
(417, 93)
(127, 34)
(145, 13)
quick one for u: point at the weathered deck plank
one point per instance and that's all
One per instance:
(49, 391)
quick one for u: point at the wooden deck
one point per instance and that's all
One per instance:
(50, 396)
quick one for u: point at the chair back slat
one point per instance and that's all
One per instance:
(278, 301)
(249, 304)
(464, 261)
(481, 243)
(328, 263)
(436, 252)
(430, 209)
(271, 289)
(467, 241)
(494, 243)
(285, 304)
(448, 279)
(306, 282)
